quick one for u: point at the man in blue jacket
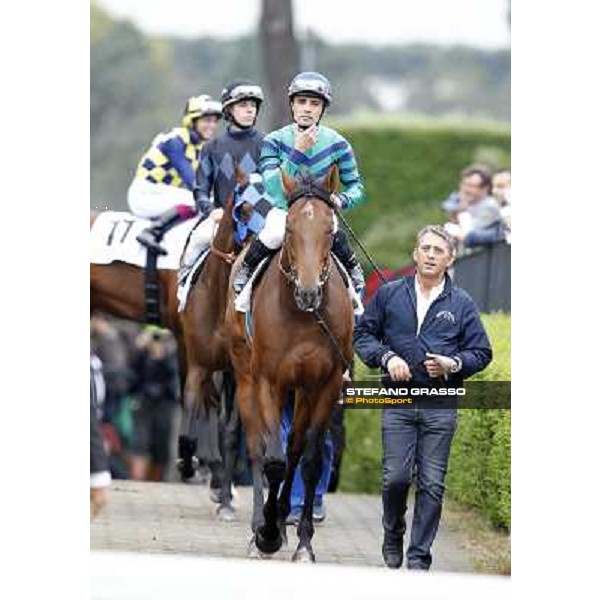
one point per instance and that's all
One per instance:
(420, 329)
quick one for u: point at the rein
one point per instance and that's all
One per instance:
(325, 328)
(311, 190)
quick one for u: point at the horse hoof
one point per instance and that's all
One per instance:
(304, 555)
(254, 552)
(226, 513)
(268, 545)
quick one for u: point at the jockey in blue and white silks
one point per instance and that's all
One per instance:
(308, 147)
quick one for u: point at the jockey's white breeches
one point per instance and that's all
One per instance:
(200, 238)
(273, 231)
(149, 200)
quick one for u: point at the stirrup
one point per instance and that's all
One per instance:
(242, 278)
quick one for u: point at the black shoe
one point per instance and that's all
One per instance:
(149, 239)
(341, 248)
(152, 236)
(392, 550)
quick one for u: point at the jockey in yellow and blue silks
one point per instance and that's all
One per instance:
(305, 146)
(164, 187)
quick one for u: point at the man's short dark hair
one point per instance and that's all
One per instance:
(484, 173)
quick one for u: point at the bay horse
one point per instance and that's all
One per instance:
(118, 289)
(290, 349)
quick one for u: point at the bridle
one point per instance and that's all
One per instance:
(307, 189)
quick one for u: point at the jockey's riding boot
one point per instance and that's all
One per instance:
(152, 236)
(342, 250)
(256, 253)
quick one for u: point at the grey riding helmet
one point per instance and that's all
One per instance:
(238, 90)
(310, 83)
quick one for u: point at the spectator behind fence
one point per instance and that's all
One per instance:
(502, 193)
(475, 214)
(99, 473)
(156, 392)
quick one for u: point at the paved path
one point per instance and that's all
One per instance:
(181, 519)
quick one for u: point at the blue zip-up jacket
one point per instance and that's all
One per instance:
(451, 327)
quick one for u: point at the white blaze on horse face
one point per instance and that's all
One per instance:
(308, 211)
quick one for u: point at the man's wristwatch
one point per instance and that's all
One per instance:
(457, 365)
(387, 357)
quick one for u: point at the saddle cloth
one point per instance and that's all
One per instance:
(243, 303)
(113, 239)
(185, 285)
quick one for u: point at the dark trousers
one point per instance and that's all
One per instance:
(415, 440)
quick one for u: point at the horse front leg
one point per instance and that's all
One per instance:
(312, 464)
(268, 536)
(230, 431)
(295, 447)
(187, 462)
(250, 418)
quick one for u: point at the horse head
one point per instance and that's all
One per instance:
(309, 236)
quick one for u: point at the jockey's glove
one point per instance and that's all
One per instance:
(204, 207)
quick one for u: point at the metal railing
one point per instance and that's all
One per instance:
(485, 274)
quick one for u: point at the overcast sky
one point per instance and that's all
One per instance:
(471, 22)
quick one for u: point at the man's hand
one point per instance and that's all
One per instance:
(306, 139)
(97, 500)
(398, 369)
(438, 365)
(216, 215)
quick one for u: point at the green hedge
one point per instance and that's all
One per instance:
(408, 170)
(479, 470)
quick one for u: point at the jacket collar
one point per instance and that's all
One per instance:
(410, 283)
(238, 132)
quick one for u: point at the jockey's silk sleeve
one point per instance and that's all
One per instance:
(278, 153)
(174, 148)
(206, 175)
(270, 165)
(353, 191)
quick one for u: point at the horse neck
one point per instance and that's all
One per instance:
(216, 272)
(223, 239)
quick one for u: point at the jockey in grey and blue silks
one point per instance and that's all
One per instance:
(237, 145)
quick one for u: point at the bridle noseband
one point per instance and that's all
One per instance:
(307, 190)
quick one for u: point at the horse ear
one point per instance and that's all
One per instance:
(332, 179)
(240, 175)
(289, 183)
